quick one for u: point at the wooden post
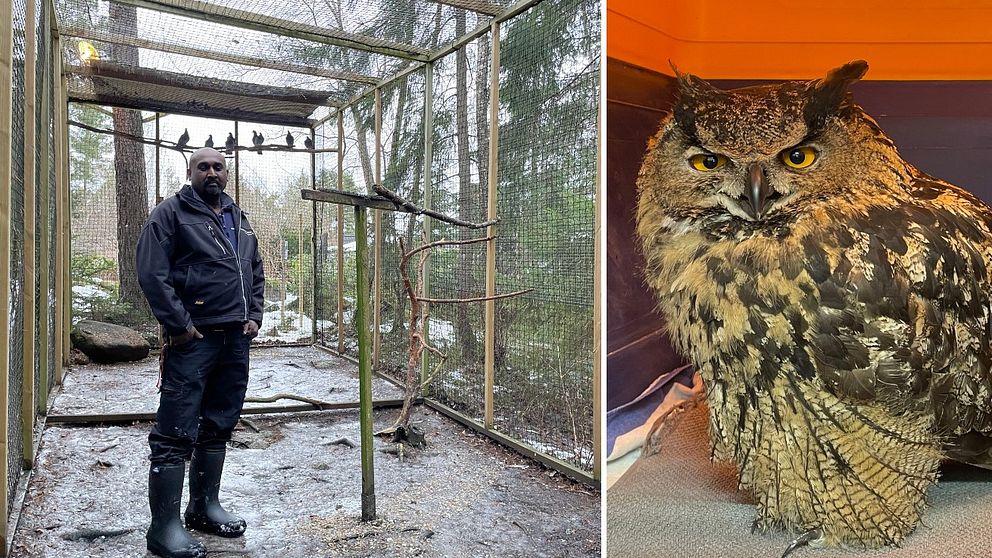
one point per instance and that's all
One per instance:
(301, 291)
(158, 159)
(597, 314)
(364, 362)
(340, 186)
(6, 108)
(30, 205)
(425, 365)
(60, 163)
(45, 231)
(237, 167)
(66, 234)
(313, 234)
(490, 362)
(377, 266)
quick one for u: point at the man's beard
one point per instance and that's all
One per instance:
(212, 189)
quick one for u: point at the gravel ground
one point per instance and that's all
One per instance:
(461, 496)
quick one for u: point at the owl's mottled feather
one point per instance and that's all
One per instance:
(841, 325)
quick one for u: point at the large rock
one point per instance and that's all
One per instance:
(104, 342)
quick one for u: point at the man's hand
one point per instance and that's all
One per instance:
(251, 329)
(175, 340)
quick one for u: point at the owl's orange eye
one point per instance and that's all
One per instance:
(707, 161)
(799, 157)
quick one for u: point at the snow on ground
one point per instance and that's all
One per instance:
(130, 387)
(463, 495)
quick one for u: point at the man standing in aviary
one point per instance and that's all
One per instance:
(199, 267)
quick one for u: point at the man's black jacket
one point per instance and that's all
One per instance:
(189, 271)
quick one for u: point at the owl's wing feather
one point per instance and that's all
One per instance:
(903, 319)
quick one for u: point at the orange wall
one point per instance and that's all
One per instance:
(777, 39)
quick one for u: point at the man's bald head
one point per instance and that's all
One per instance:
(207, 174)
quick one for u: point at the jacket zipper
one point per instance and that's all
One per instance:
(214, 236)
(237, 256)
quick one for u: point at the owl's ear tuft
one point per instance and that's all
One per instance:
(827, 95)
(692, 91)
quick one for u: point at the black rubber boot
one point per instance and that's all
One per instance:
(166, 536)
(204, 512)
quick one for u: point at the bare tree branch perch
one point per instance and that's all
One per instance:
(475, 299)
(413, 208)
(166, 144)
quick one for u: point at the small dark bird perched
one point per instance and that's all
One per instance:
(257, 140)
(289, 139)
(210, 141)
(308, 143)
(183, 139)
(230, 143)
(835, 299)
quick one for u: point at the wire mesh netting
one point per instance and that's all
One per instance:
(460, 147)
(358, 175)
(549, 79)
(291, 57)
(546, 205)
(17, 279)
(269, 187)
(266, 184)
(30, 319)
(280, 69)
(403, 173)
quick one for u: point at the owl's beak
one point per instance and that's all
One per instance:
(759, 191)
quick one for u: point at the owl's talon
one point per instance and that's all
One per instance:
(803, 540)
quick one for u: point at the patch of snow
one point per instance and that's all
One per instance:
(90, 291)
(441, 330)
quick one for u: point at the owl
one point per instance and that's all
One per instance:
(834, 299)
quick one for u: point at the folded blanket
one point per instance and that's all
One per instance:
(628, 425)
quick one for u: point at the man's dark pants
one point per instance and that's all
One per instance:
(203, 388)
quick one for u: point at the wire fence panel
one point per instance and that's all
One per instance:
(267, 186)
(549, 77)
(327, 250)
(270, 186)
(403, 173)
(358, 175)
(459, 185)
(18, 284)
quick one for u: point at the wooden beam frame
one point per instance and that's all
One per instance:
(197, 9)
(183, 108)
(313, 238)
(65, 233)
(428, 199)
(377, 239)
(110, 70)
(479, 6)
(60, 163)
(44, 228)
(490, 315)
(6, 111)
(30, 205)
(598, 325)
(340, 240)
(118, 39)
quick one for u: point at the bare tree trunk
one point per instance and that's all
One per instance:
(467, 201)
(129, 170)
